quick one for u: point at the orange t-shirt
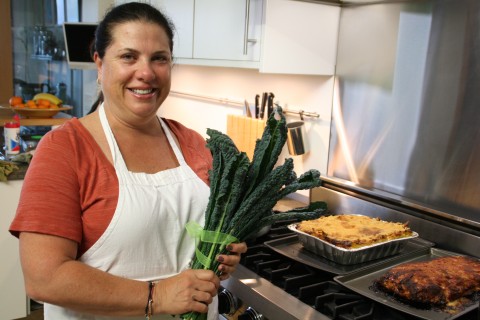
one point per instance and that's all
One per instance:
(71, 190)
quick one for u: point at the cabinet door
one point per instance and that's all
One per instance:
(13, 298)
(227, 29)
(300, 38)
(181, 13)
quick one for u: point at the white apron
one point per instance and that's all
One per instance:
(146, 239)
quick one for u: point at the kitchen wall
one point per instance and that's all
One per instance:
(294, 92)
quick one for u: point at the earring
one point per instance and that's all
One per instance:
(98, 81)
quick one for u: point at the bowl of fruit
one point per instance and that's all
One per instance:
(43, 105)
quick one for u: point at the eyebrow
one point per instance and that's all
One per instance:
(136, 51)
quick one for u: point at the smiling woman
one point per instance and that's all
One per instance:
(130, 181)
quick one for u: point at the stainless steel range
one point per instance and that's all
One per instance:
(278, 279)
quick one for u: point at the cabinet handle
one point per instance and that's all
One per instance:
(247, 20)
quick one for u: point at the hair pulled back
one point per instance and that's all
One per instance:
(127, 12)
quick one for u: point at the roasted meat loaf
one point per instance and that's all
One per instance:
(438, 282)
(354, 231)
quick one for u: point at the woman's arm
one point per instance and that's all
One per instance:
(52, 275)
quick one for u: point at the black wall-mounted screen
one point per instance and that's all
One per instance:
(78, 40)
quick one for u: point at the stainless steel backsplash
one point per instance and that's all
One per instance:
(406, 113)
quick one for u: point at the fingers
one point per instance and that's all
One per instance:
(191, 290)
(237, 247)
(207, 278)
(230, 261)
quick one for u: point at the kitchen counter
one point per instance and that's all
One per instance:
(18, 174)
(287, 204)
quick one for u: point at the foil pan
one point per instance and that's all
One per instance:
(350, 256)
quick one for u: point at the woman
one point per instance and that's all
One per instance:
(106, 199)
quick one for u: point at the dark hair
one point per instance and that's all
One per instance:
(127, 12)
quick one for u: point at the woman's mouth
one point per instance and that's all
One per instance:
(142, 91)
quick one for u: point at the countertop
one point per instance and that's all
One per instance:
(287, 204)
(18, 174)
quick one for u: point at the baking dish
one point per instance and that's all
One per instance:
(350, 256)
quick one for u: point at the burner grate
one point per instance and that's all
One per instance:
(360, 310)
(333, 304)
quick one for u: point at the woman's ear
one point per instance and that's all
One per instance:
(98, 62)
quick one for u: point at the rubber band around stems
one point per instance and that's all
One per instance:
(196, 231)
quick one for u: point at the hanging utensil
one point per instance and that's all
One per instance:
(257, 106)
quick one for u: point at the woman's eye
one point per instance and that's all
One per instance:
(128, 57)
(162, 59)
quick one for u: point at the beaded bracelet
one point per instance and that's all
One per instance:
(149, 306)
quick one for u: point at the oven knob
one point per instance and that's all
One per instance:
(227, 303)
(250, 314)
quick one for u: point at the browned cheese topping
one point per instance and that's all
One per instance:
(354, 231)
(442, 281)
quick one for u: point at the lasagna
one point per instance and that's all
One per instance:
(354, 231)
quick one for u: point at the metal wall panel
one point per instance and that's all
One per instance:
(406, 113)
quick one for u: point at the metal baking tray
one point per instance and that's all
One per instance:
(292, 248)
(362, 280)
(350, 256)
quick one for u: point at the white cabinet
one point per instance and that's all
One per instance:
(300, 38)
(13, 299)
(216, 32)
(228, 29)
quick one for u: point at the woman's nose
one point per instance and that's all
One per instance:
(146, 71)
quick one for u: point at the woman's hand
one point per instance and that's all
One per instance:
(230, 261)
(190, 290)
(193, 290)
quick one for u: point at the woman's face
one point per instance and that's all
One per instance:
(135, 72)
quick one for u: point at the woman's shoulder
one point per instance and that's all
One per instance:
(182, 132)
(193, 147)
(69, 136)
(70, 129)
(71, 145)
(187, 138)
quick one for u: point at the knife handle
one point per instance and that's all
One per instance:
(270, 104)
(264, 103)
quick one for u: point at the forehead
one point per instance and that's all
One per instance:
(138, 31)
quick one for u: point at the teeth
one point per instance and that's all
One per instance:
(142, 91)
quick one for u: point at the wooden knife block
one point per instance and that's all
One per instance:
(244, 132)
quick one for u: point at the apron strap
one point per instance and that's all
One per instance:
(173, 144)
(112, 143)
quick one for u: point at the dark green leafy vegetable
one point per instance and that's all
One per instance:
(243, 193)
